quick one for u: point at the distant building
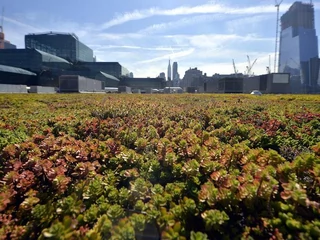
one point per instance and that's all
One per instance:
(64, 45)
(32, 60)
(12, 75)
(298, 53)
(169, 77)
(4, 44)
(175, 75)
(131, 74)
(113, 68)
(175, 71)
(191, 78)
(162, 75)
(145, 85)
(49, 67)
(8, 45)
(268, 83)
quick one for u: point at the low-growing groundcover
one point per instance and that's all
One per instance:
(159, 166)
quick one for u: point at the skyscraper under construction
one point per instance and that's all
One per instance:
(4, 44)
(299, 46)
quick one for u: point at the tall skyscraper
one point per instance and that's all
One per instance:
(174, 70)
(169, 77)
(299, 44)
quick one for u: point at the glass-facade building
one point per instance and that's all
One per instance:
(113, 68)
(64, 45)
(32, 59)
(47, 66)
(299, 46)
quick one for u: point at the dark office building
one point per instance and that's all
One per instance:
(113, 68)
(12, 75)
(64, 45)
(230, 85)
(299, 45)
(32, 59)
(144, 84)
(47, 66)
(268, 83)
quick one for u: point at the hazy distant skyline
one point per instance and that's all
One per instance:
(143, 35)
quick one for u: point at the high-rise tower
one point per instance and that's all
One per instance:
(174, 70)
(299, 44)
(169, 72)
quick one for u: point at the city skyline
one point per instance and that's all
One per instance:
(142, 36)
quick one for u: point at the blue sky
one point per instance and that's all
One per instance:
(143, 35)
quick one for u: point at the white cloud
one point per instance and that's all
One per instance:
(187, 21)
(21, 24)
(246, 23)
(117, 36)
(187, 10)
(107, 47)
(130, 16)
(175, 56)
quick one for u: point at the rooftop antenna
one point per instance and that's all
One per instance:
(269, 66)
(2, 15)
(277, 5)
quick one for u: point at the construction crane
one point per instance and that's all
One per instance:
(277, 5)
(235, 69)
(250, 66)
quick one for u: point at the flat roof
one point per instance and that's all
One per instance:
(54, 33)
(110, 76)
(5, 68)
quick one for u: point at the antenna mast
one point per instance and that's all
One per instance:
(277, 5)
(2, 16)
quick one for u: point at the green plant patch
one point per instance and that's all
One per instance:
(182, 166)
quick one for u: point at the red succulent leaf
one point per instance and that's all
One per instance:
(215, 175)
(285, 195)
(6, 198)
(46, 165)
(37, 169)
(26, 180)
(11, 177)
(5, 219)
(51, 174)
(60, 170)
(70, 158)
(17, 165)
